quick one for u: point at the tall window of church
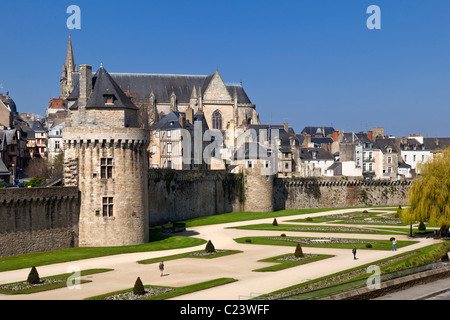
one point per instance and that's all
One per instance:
(217, 120)
(106, 167)
(107, 209)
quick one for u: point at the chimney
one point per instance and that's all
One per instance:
(85, 86)
(190, 115)
(335, 136)
(182, 120)
(370, 135)
(286, 127)
(307, 141)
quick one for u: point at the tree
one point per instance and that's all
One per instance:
(210, 247)
(33, 276)
(275, 222)
(298, 251)
(429, 194)
(138, 288)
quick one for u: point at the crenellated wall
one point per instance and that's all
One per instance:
(38, 219)
(302, 193)
(43, 219)
(176, 195)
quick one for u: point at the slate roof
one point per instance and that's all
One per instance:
(321, 154)
(3, 170)
(384, 144)
(434, 144)
(139, 86)
(104, 84)
(318, 131)
(171, 121)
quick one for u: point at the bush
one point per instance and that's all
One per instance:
(248, 240)
(365, 211)
(298, 251)
(368, 245)
(210, 247)
(33, 276)
(422, 226)
(308, 219)
(283, 235)
(138, 287)
(35, 182)
(275, 222)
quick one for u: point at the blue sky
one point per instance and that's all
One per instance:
(307, 62)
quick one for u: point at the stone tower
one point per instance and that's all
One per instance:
(106, 157)
(259, 182)
(69, 66)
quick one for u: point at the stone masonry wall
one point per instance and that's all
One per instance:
(38, 219)
(178, 195)
(300, 194)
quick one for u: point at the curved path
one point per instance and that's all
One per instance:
(188, 271)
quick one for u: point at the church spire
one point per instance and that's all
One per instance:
(68, 68)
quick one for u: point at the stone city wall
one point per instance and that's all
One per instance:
(178, 195)
(38, 219)
(303, 193)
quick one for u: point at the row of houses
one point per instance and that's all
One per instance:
(315, 152)
(23, 137)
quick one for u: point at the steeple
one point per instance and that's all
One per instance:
(68, 68)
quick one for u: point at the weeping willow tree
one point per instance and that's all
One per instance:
(429, 194)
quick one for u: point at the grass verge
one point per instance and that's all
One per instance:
(157, 242)
(176, 292)
(219, 253)
(338, 243)
(55, 282)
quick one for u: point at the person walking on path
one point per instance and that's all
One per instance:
(161, 268)
(394, 245)
(354, 253)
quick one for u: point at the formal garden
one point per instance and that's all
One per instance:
(298, 239)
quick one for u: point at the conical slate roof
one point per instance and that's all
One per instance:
(103, 86)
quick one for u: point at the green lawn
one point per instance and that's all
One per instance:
(190, 255)
(61, 282)
(177, 291)
(347, 243)
(311, 228)
(158, 242)
(243, 216)
(281, 265)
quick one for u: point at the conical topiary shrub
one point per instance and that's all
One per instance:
(298, 251)
(33, 276)
(138, 287)
(210, 247)
(275, 222)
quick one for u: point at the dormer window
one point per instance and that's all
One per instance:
(109, 99)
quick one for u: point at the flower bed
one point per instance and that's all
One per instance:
(129, 295)
(23, 285)
(309, 241)
(293, 258)
(206, 254)
(331, 229)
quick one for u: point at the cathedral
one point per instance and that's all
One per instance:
(157, 95)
